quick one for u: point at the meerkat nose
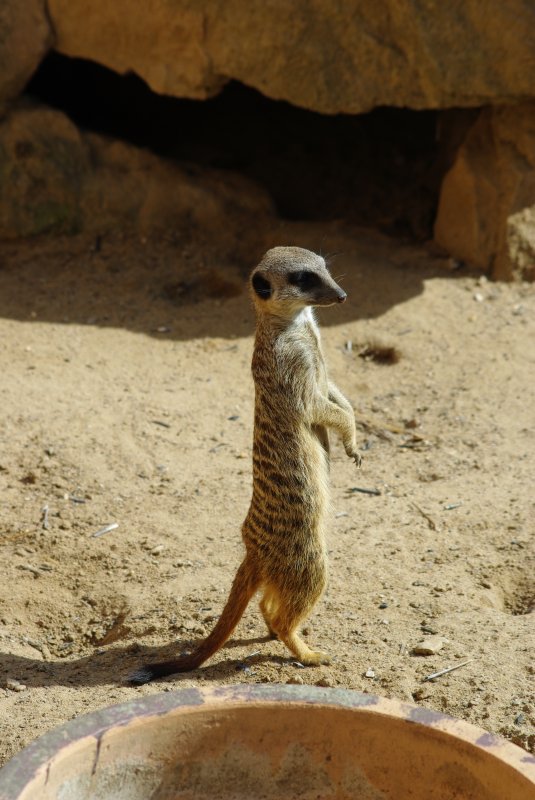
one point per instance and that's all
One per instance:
(342, 297)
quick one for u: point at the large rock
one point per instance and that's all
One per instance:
(25, 37)
(56, 179)
(349, 56)
(486, 213)
(521, 243)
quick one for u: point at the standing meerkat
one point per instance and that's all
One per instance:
(295, 405)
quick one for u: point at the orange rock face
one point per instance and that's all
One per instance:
(25, 37)
(486, 213)
(346, 57)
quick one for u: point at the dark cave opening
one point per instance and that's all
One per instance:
(382, 169)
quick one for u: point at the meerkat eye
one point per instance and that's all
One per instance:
(261, 286)
(304, 279)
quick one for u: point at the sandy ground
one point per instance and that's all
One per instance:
(126, 397)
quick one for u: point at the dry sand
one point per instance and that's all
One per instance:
(126, 397)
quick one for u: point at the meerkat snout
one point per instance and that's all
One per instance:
(342, 297)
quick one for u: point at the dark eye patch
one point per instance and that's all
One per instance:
(261, 286)
(304, 279)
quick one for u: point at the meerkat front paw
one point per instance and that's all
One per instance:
(356, 456)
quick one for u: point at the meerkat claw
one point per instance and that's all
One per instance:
(357, 458)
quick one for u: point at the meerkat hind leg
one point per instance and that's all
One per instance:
(286, 627)
(268, 607)
(306, 656)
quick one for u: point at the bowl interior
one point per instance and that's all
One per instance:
(271, 750)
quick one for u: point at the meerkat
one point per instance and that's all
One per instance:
(295, 405)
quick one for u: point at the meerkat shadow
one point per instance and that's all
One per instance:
(227, 667)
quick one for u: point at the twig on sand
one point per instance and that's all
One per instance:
(105, 529)
(444, 671)
(375, 492)
(44, 512)
(431, 521)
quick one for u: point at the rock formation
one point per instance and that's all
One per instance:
(56, 179)
(486, 213)
(346, 57)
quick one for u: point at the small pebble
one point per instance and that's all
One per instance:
(46, 652)
(478, 297)
(429, 629)
(383, 604)
(15, 685)
(430, 646)
(370, 673)
(297, 680)
(520, 719)
(156, 551)
(324, 681)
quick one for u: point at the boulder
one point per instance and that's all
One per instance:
(44, 163)
(56, 179)
(521, 243)
(486, 208)
(350, 56)
(25, 37)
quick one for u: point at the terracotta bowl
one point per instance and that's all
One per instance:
(270, 742)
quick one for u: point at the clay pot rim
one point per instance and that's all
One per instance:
(33, 759)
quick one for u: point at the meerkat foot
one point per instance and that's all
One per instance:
(302, 651)
(315, 658)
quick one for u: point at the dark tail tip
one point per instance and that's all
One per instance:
(141, 676)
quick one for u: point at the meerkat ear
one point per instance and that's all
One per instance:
(261, 286)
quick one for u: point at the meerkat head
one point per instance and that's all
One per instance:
(290, 278)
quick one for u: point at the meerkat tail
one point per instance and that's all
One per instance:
(243, 587)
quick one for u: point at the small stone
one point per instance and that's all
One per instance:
(296, 680)
(384, 604)
(324, 681)
(478, 297)
(520, 719)
(370, 673)
(46, 652)
(428, 629)
(158, 550)
(15, 685)
(430, 646)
